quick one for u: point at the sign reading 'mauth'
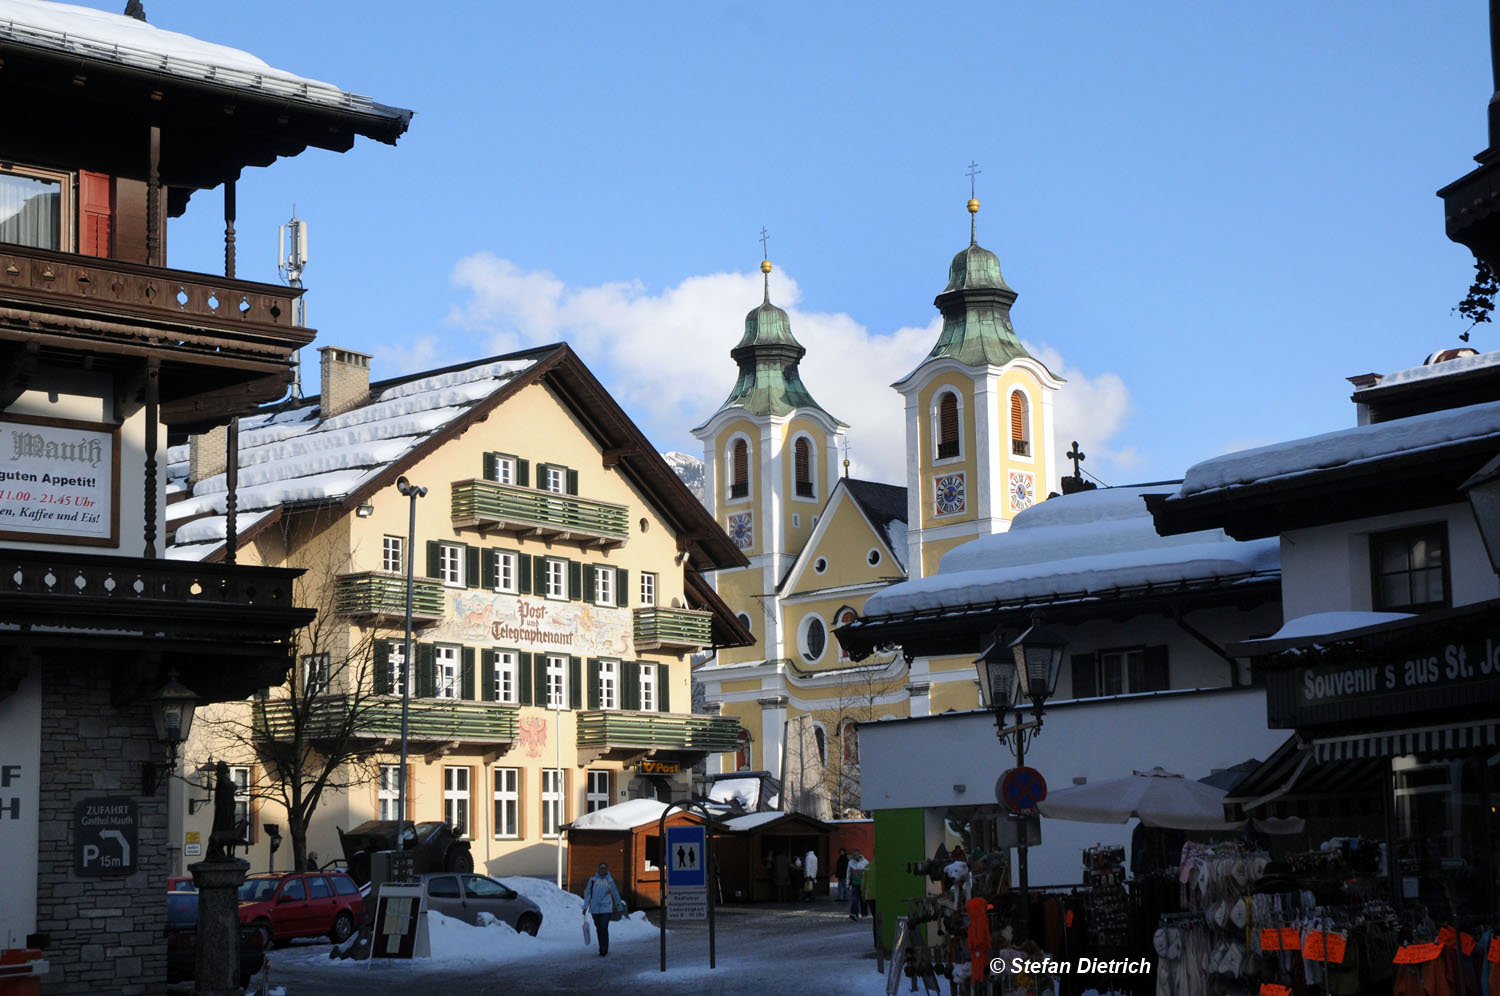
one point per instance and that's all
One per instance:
(59, 480)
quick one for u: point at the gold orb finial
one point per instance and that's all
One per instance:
(765, 266)
(973, 205)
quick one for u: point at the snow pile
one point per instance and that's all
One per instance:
(1039, 557)
(1346, 447)
(745, 791)
(562, 913)
(1427, 371)
(624, 816)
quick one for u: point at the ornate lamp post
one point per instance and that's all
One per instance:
(172, 707)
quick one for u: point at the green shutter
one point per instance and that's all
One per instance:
(622, 587)
(630, 685)
(575, 683)
(466, 673)
(523, 574)
(572, 481)
(523, 473)
(539, 679)
(523, 678)
(593, 683)
(590, 588)
(491, 467)
(471, 566)
(486, 675)
(490, 570)
(426, 672)
(382, 675)
(434, 558)
(539, 575)
(575, 580)
(663, 698)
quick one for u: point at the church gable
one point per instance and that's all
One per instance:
(845, 549)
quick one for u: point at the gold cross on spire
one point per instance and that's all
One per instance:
(973, 172)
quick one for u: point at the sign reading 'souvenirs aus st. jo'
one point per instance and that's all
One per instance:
(59, 480)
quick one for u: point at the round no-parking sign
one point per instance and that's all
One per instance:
(1020, 789)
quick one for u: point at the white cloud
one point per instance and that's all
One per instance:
(665, 356)
(421, 353)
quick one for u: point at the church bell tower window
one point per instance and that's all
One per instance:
(947, 426)
(1020, 425)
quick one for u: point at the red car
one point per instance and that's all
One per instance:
(309, 904)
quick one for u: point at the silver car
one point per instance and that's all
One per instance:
(465, 896)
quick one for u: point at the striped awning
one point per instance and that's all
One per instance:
(1451, 738)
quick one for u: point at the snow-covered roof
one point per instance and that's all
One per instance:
(292, 455)
(745, 791)
(1328, 623)
(885, 506)
(751, 821)
(1040, 557)
(95, 34)
(1445, 368)
(623, 816)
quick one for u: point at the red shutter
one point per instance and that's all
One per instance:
(741, 463)
(804, 462)
(95, 214)
(948, 419)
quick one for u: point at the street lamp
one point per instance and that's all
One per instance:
(1483, 492)
(172, 708)
(1011, 673)
(411, 491)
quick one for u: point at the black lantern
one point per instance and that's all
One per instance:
(997, 676)
(172, 707)
(1038, 660)
(1483, 492)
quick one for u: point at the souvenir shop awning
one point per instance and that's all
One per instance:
(1448, 738)
(1292, 782)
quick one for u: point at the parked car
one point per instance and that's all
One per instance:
(181, 883)
(439, 847)
(465, 896)
(182, 940)
(301, 904)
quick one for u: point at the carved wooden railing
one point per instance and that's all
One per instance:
(43, 575)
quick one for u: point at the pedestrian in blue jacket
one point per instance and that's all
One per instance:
(601, 900)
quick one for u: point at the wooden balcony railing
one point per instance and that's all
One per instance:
(528, 511)
(602, 729)
(660, 628)
(379, 717)
(381, 596)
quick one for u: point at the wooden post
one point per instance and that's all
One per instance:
(153, 418)
(229, 236)
(232, 483)
(153, 200)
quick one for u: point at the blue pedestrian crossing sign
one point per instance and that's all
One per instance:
(685, 857)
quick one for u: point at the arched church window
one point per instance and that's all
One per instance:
(844, 617)
(849, 737)
(947, 414)
(1020, 424)
(739, 473)
(802, 460)
(742, 750)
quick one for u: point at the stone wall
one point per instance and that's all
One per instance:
(105, 934)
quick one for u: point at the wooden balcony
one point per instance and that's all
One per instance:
(504, 508)
(614, 735)
(429, 721)
(661, 628)
(380, 597)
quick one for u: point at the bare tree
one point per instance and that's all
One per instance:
(861, 688)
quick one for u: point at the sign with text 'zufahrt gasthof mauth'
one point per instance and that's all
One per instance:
(59, 480)
(104, 833)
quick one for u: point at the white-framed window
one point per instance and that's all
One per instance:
(596, 795)
(507, 802)
(1020, 424)
(556, 480)
(505, 469)
(396, 662)
(557, 578)
(445, 673)
(451, 564)
(392, 554)
(552, 801)
(557, 682)
(812, 638)
(804, 468)
(648, 687)
(604, 585)
(648, 589)
(315, 673)
(505, 676)
(456, 798)
(609, 685)
(240, 775)
(947, 426)
(388, 792)
(737, 480)
(506, 564)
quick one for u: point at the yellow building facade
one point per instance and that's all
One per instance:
(980, 449)
(556, 601)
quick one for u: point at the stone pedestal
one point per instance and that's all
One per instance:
(217, 966)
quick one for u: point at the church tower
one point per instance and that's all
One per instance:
(770, 458)
(979, 421)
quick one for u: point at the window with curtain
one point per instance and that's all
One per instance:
(1020, 425)
(802, 459)
(31, 207)
(947, 414)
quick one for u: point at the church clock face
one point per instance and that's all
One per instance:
(1022, 491)
(741, 531)
(949, 494)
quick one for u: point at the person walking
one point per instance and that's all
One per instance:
(841, 871)
(857, 866)
(600, 900)
(810, 874)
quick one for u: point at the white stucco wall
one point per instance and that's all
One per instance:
(921, 763)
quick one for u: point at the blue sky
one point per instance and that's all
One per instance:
(1212, 212)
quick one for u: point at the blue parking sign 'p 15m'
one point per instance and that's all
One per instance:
(685, 857)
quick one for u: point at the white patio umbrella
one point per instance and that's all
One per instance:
(1157, 798)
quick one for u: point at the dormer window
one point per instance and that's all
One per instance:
(1020, 425)
(739, 469)
(947, 426)
(802, 459)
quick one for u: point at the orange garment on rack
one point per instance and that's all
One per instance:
(979, 937)
(1421, 971)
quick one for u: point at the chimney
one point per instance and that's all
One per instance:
(207, 453)
(346, 380)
